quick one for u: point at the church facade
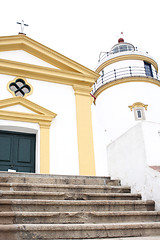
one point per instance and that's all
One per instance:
(45, 110)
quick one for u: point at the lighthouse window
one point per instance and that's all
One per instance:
(148, 69)
(139, 114)
(115, 50)
(123, 48)
(139, 110)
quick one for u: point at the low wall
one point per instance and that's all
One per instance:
(130, 156)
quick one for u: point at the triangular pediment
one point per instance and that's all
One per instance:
(58, 68)
(24, 57)
(31, 112)
(18, 108)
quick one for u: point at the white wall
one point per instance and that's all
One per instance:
(100, 140)
(60, 99)
(129, 157)
(124, 64)
(22, 56)
(113, 113)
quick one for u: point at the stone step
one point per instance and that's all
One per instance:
(63, 188)
(67, 196)
(78, 217)
(131, 238)
(78, 231)
(7, 177)
(74, 205)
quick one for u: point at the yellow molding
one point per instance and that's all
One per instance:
(28, 104)
(22, 42)
(127, 57)
(138, 104)
(83, 90)
(42, 116)
(126, 80)
(25, 70)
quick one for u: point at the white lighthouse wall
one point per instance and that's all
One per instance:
(59, 99)
(112, 117)
(113, 113)
(124, 64)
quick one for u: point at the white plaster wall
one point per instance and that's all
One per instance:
(59, 99)
(112, 111)
(128, 160)
(124, 64)
(24, 57)
(100, 142)
(151, 133)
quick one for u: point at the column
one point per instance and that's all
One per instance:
(44, 148)
(84, 130)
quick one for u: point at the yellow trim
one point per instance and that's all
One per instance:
(42, 116)
(138, 104)
(44, 73)
(44, 149)
(12, 92)
(127, 57)
(126, 80)
(22, 42)
(84, 130)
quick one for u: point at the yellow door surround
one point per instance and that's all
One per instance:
(41, 116)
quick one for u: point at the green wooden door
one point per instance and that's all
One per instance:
(17, 151)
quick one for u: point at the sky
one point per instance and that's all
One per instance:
(81, 29)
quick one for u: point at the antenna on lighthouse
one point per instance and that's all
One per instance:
(121, 39)
(22, 26)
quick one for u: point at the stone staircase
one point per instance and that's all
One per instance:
(35, 206)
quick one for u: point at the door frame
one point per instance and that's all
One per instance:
(40, 116)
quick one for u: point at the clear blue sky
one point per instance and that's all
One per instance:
(80, 29)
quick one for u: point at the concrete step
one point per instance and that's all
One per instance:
(7, 177)
(63, 188)
(74, 205)
(78, 217)
(78, 231)
(67, 196)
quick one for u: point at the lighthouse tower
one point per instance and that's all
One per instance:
(126, 94)
(126, 118)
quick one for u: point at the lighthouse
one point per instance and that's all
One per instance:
(127, 95)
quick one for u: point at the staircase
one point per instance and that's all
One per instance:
(35, 206)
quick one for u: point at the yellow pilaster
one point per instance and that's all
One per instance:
(84, 130)
(44, 148)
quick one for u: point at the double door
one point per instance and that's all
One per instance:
(17, 151)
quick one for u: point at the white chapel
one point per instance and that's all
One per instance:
(59, 117)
